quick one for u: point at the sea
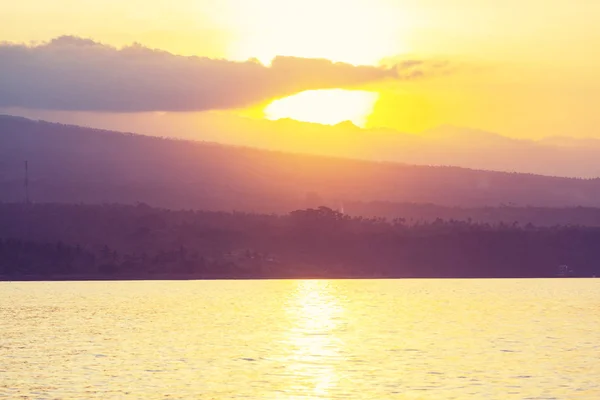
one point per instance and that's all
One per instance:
(301, 339)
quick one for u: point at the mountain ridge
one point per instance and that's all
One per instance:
(74, 164)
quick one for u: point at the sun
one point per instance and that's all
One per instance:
(327, 106)
(352, 31)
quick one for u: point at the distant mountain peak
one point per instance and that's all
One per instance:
(452, 132)
(347, 125)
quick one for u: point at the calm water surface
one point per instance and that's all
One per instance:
(404, 339)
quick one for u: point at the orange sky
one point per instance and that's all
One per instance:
(523, 69)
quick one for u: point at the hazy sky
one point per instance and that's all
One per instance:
(519, 68)
(554, 31)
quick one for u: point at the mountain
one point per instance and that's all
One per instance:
(443, 145)
(75, 164)
(451, 135)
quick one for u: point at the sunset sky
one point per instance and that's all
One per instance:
(521, 69)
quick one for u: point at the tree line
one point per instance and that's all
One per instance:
(112, 241)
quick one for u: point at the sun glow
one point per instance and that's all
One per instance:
(356, 32)
(328, 107)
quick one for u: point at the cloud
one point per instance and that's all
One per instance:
(71, 73)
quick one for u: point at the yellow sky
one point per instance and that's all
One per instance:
(526, 68)
(535, 29)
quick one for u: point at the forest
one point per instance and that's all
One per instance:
(110, 205)
(414, 213)
(112, 241)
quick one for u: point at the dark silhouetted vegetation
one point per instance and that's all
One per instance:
(414, 213)
(53, 241)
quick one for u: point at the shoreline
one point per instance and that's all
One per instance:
(259, 278)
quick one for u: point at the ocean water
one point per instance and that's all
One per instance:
(314, 339)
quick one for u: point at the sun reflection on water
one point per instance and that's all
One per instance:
(315, 348)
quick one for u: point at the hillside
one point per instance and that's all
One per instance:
(75, 164)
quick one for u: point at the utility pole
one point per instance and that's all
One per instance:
(26, 182)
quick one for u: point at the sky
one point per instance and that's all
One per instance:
(525, 70)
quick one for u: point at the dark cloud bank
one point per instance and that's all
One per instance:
(71, 73)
